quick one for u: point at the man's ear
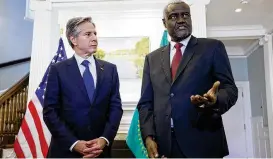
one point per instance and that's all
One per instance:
(73, 40)
(164, 22)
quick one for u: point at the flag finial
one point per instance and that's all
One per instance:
(61, 31)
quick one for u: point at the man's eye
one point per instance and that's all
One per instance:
(186, 15)
(173, 17)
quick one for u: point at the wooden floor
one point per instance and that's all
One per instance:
(121, 150)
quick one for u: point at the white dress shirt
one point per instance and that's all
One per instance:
(173, 51)
(92, 68)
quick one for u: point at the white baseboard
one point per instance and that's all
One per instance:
(8, 153)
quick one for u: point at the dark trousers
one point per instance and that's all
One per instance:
(175, 150)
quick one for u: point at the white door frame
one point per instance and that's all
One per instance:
(247, 112)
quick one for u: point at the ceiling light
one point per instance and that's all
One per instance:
(238, 10)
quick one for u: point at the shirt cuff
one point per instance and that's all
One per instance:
(71, 148)
(105, 140)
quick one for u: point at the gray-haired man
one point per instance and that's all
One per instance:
(82, 106)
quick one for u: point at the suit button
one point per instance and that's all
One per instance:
(172, 95)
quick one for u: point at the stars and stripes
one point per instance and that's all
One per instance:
(34, 137)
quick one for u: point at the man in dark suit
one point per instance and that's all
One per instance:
(186, 87)
(82, 106)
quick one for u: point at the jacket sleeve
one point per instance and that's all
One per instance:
(228, 92)
(52, 108)
(145, 104)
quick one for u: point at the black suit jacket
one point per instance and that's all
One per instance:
(199, 133)
(71, 116)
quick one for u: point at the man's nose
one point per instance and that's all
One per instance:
(94, 37)
(180, 19)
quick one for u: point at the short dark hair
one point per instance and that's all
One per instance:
(172, 2)
(72, 27)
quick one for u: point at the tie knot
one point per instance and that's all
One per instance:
(85, 63)
(178, 45)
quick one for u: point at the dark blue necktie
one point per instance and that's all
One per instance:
(88, 80)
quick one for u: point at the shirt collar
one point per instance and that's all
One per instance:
(184, 42)
(79, 59)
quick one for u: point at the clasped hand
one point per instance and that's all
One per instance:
(90, 149)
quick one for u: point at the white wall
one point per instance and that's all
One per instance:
(137, 27)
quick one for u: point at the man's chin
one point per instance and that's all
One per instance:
(182, 37)
(92, 51)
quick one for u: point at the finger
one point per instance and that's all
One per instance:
(155, 153)
(90, 156)
(192, 98)
(91, 142)
(151, 155)
(209, 97)
(150, 152)
(195, 99)
(89, 150)
(199, 99)
(215, 86)
(97, 152)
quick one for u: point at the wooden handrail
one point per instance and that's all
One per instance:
(19, 85)
(14, 62)
(13, 105)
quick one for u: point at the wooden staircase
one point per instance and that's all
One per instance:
(13, 104)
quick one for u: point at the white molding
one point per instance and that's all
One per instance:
(248, 116)
(236, 32)
(252, 48)
(40, 5)
(128, 111)
(28, 13)
(268, 65)
(104, 5)
(236, 56)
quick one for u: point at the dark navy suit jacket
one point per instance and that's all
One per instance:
(71, 116)
(200, 133)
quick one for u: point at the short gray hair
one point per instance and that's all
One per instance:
(72, 27)
(172, 2)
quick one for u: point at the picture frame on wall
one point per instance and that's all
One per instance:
(128, 54)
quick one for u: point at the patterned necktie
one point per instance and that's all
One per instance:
(88, 80)
(176, 59)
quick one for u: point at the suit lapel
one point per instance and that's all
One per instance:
(187, 55)
(75, 73)
(165, 63)
(100, 76)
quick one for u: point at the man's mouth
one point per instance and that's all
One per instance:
(181, 27)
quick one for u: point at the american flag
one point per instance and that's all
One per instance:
(34, 137)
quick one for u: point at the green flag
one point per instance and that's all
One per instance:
(134, 140)
(164, 40)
